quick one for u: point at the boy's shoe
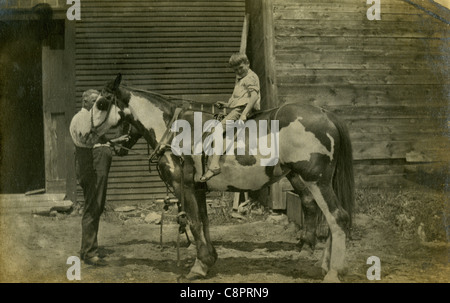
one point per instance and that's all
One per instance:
(209, 174)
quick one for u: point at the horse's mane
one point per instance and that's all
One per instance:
(181, 102)
(151, 95)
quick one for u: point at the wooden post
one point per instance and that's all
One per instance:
(270, 85)
(70, 101)
(269, 56)
(242, 50)
(244, 36)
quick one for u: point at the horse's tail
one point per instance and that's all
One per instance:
(343, 179)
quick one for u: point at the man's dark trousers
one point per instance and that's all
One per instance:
(92, 168)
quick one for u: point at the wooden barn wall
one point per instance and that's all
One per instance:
(388, 79)
(178, 48)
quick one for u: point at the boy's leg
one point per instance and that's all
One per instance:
(214, 166)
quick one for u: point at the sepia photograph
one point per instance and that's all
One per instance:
(214, 142)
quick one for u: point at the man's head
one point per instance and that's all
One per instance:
(89, 97)
(240, 64)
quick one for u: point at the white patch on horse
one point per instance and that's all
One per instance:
(103, 123)
(234, 174)
(298, 144)
(148, 114)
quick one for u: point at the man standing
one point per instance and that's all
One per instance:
(93, 158)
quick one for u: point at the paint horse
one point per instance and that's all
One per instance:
(315, 155)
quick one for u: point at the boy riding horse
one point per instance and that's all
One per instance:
(245, 98)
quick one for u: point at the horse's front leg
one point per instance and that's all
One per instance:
(194, 205)
(195, 202)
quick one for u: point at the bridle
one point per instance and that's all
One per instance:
(114, 100)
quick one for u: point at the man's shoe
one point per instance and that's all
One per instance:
(95, 261)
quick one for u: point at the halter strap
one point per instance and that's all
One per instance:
(106, 117)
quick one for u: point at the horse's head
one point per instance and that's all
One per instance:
(105, 114)
(148, 113)
(113, 93)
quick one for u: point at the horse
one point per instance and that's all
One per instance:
(315, 155)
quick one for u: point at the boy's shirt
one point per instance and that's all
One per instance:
(242, 90)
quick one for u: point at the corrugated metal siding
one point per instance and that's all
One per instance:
(171, 47)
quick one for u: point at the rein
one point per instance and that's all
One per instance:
(127, 149)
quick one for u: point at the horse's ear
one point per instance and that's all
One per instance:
(117, 81)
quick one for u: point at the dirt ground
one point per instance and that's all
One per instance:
(35, 248)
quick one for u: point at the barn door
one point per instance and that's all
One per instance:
(55, 89)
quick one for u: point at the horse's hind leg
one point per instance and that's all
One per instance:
(325, 264)
(328, 203)
(310, 211)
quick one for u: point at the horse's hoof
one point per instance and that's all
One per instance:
(331, 277)
(306, 251)
(194, 276)
(183, 279)
(319, 264)
(198, 271)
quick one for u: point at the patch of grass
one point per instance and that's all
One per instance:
(409, 210)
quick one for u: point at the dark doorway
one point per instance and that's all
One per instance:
(22, 162)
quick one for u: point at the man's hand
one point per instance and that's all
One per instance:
(243, 118)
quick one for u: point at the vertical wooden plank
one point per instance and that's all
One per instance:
(294, 208)
(270, 83)
(56, 172)
(243, 48)
(69, 104)
(269, 57)
(52, 92)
